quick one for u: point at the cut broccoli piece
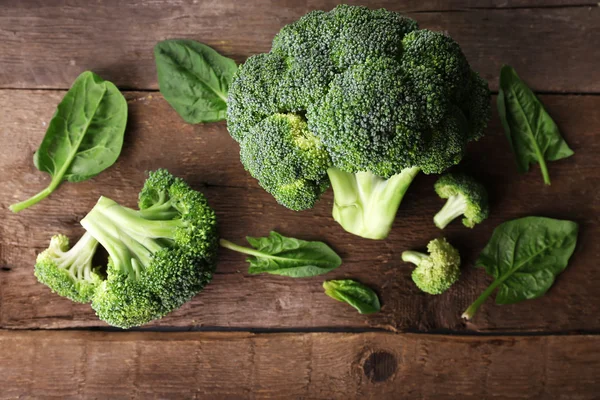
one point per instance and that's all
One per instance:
(378, 99)
(69, 272)
(436, 272)
(465, 197)
(160, 256)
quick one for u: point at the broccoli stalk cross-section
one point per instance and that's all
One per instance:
(366, 204)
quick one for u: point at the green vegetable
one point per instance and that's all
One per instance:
(69, 272)
(359, 296)
(194, 79)
(533, 135)
(280, 255)
(465, 197)
(439, 270)
(160, 256)
(525, 256)
(359, 98)
(84, 137)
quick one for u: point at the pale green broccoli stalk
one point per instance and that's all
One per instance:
(366, 204)
(372, 96)
(69, 272)
(465, 197)
(436, 272)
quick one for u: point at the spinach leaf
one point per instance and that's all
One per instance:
(194, 79)
(533, 135)
(525, 256)
(84, 137)
(280, 255)
(359, 296)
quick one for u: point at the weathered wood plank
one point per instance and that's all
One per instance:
(207, 157)
(46, 44)
(82, 365)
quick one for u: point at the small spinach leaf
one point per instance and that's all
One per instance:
(525, 256)
(533, 135)
(84, 137)
(280, 255)
(194, 79)
(359, 296)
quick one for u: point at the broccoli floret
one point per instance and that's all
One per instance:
(379, 99)
(159, 256)
(465, 197)
(69, 272)
(436, 272)
(288, 160)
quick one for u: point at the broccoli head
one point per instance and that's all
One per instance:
(69, 272)
(376, 101)
(465, 197)
(436, 272)
(160, 256)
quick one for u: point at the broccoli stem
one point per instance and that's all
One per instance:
(472, 309)
(79, 258)
(366, 204)
(413, 257)
(128, 238)
(454, 207)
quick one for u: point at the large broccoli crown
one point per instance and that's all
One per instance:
(439, 270)
(69, 272)
(159, 257)
(380, 95)
(465, 197)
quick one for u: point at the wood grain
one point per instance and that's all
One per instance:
(86, 365)
(47, 44)
(207, 157)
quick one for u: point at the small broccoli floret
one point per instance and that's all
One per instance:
(69, 272)
(436, 272)
(379, 98)
(159, 257)
(465, 197)
(287, 159)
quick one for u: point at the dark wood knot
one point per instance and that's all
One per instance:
(380, 366)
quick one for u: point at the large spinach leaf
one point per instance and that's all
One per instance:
(359, 296)
(280, 255)
(525, 256)
(194, 79)
(533, 135)
(84, 137)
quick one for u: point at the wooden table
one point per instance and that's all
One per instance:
(273, 337)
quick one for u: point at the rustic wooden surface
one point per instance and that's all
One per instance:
(298, 366)
(44, 45)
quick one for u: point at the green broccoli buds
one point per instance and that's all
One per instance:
(436, 272)
(373, 95)
(465, 197)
